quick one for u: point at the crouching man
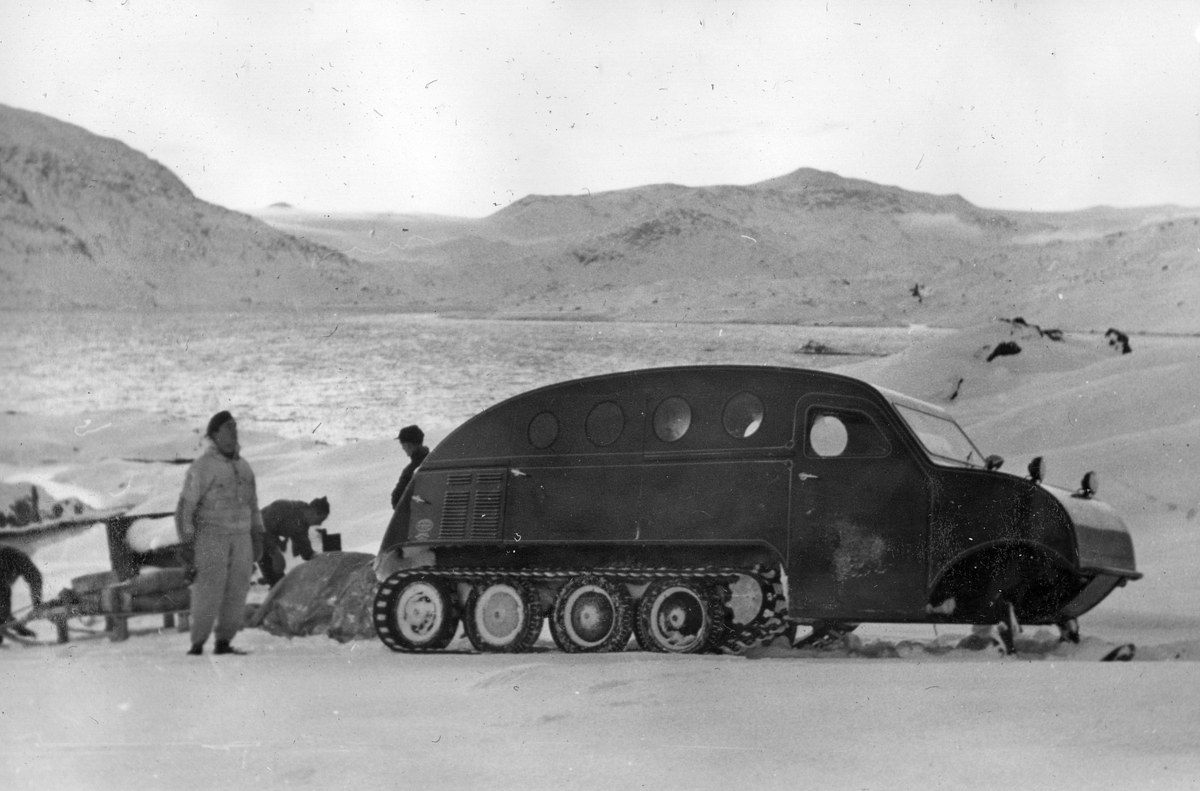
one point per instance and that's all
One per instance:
(289, 520)
(219, 522)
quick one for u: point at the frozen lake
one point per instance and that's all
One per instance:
(338, 376)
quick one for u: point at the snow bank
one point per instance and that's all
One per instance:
(1078, 403)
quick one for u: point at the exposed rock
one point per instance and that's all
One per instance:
(1004, 348)
(1118, 340)
(1020, 323)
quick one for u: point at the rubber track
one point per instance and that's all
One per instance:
(737, 638)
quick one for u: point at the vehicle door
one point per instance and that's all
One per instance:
(859, 514)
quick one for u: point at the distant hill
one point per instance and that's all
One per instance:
(809, 247)
(88, 222)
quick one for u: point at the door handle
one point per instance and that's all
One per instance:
(517, 473)
(804, 476)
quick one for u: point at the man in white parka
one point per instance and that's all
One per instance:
(218, 520)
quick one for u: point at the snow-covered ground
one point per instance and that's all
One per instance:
(313, 713)
(893, 707)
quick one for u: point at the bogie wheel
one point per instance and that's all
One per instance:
(415, 612)
(503, 616)
(759, 617)
(679, 617)
(591, 615)
(745, 600)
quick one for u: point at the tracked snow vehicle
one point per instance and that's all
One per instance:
(709, 507)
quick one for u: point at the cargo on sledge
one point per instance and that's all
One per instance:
(710, 507)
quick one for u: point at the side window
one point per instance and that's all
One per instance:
(844, 433)
(827, 436)
(743, 415)
(672, 418)
(543, 430)
(604, 423)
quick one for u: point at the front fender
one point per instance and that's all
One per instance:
(971, 509)
(997, 538)
(1103, 542)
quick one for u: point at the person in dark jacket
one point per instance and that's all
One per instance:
(289, 520)
(411, 439)
(15, 564)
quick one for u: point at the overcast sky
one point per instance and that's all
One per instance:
(462, 108)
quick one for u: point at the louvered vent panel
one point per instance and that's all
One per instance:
(458, 479)
(490, 478)
(485, 516)
(454, 514)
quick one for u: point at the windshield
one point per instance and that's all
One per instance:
(942, 437)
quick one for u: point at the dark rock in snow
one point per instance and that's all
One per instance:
(1118, 340)
(1004, 348)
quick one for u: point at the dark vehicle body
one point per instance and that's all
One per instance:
(806, 496)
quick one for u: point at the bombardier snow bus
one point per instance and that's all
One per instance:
(707, 508)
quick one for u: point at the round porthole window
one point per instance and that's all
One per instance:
(604, 423)
(743, 415)
(828, 436)
(672, 419)
(543, 430)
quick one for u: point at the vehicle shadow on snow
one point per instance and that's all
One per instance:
(1043, 644)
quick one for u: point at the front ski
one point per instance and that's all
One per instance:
(1122, 653)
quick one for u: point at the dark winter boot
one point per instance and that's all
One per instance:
(223, 647)
(196, 650)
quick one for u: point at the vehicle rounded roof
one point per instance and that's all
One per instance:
(501, 429)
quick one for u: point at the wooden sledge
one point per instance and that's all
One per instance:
(121, 593)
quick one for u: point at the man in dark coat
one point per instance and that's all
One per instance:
(15, 564)
(411, 439)
(289, 520)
